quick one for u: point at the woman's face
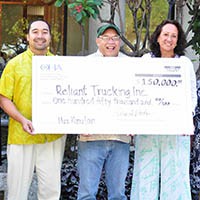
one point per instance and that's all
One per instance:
(168, 39)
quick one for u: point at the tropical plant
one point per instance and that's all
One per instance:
(18, 30)
(82, 10)
(56, 37)
(141, 16)
(194, 26)
(194, 11)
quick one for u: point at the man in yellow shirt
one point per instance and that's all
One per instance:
(27, 152)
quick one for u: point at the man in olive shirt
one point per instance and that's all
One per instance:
(27, 151)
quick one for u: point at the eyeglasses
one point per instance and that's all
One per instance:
(106, 38)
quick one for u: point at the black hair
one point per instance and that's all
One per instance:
(181, 42)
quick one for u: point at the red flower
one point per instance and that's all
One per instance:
(78, 8)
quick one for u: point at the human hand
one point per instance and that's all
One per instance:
(28, 126)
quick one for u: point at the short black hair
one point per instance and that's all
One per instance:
(36, 20)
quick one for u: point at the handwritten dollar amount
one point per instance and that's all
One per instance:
(160, 82)
(162, 102)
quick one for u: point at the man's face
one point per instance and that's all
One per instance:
(39, 37)
(109, 43)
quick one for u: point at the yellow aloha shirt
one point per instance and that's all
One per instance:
(16, 85)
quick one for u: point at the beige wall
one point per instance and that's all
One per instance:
(74, 38)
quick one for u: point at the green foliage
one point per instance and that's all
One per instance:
(18, 30)
(55, 33)
(195, 40)
(59, 3)
(162, 7)
(137, 18)
(81, 10)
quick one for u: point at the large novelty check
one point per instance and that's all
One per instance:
(111, 95)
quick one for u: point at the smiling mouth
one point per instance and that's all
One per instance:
(40, 41)
(110, 48)
(168, 44)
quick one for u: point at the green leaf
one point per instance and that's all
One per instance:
(73, 12)
(87, 14)
(80, 1)
(90, 10)
(95, 2)
(72, 5)
(98, 3)
(82, 23)
(79, 17)
(89, 2)
(59, 3)
(84, 13)
(94, 16)
(96, 10)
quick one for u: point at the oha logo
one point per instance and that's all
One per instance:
(51, 67)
